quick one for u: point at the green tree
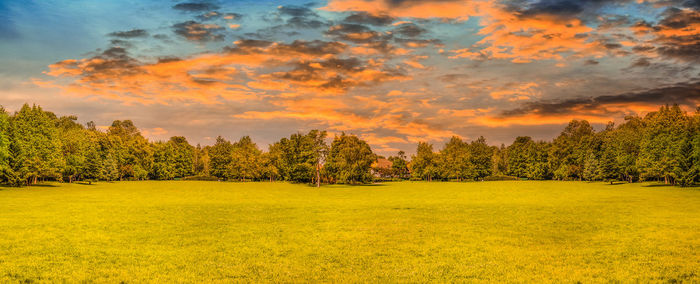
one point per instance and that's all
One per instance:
(454, 161)
(221, 157)
(75, 141)
(35, 147)
(349, 160)
(299, 157)
(424, 165)
(164, 161)
(518, 156)
(538, 161)
(247, 160)
(480, 158)
(570, 149)
(202, 160)
(399, 165)
(184, 156)
(499, 161)
(130, 149)
(5, 170)
(662, 144)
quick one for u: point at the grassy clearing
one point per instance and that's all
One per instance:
(398, 232)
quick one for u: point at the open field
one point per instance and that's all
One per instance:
(397, 232)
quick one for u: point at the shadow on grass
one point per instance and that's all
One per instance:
(43, 185)
(359, 185)
(694, 186)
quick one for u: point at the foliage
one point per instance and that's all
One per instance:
(36, 145)
(349, 160)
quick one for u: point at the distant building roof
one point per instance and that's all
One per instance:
(382, 164)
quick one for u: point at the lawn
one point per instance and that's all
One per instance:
(188, 231)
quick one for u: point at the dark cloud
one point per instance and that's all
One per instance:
(418, 42)
(209, 15)
(296, 11)
(452, 78)
(316, 47)
(356, 33)
(194, 31)
(368, 19)
(110, 63)
(591, 62)
(304, 23)
(196, 6)
(120, 43)
(409, 30)
(682, 94)
(641, 62)
(673, 37)
(130, 34)
(586, 10)
(643, 48)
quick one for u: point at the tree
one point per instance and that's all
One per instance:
(202, 160)
(246, 161)
(518, 156)
(399, 165)
(131, 149)
(570, 149)
(35, 147)
(349, 160)
(75, 141)
(626, 141)
(299, 157)
(538, 161)
(268, 169)
(93, 169)
(164, 161)
(221, 156)
(424, 165)
(184, 156)
(608, 164)
(5, 170)
(454, 161)
(662, 144)
(480, 158)
(500, 160)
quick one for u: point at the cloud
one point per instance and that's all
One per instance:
(598, 109)
(678, 35)
(129, 34)
(409, 30)
(423, 9)
(195, 7)
(295, 11)
(365, 18)
(194, 31)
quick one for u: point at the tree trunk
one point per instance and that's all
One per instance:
(318, 175)
(665, 179)
(34, 180)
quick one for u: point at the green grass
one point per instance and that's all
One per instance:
(515, 231)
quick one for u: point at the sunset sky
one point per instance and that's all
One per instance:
(393, 72)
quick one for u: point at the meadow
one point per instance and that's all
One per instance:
(191, 231)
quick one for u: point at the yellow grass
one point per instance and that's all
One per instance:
(522, 231)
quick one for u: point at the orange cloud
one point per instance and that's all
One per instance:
(460, 10)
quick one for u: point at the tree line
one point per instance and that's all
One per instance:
(37, 145)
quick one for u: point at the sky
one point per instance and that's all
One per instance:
(394, 72)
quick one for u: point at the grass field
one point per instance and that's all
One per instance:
(522, 231)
